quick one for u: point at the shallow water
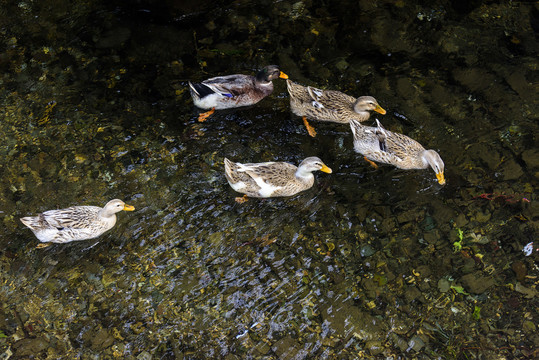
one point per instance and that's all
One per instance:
(366, 264)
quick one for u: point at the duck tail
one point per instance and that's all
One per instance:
(30, 221)
(228, 165)
(201, 90)
(356, 127)
(193, 89)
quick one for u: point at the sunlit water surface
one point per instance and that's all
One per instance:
(363, 265)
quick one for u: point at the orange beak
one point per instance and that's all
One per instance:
(379, 110)
(441, 178)
(326, 169)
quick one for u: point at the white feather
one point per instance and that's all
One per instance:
(266, 190)
(316, 104)
(209, 101)
(240, 185)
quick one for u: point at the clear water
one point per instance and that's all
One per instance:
(359, 266)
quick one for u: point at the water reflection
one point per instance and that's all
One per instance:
(191, 273)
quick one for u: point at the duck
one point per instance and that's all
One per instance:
(74, 223)
(272, 179)
(387, 147)
(329, 105)
(232, 91)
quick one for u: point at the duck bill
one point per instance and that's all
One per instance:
(282, 75)
(379, 110)
(441, 178)
(326, 169)
(128, 208)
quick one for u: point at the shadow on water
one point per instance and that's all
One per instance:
(369, 263)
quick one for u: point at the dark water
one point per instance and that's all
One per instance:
(363, 265)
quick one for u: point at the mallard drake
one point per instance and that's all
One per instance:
(75, 223)
(271, 179)
(329, 105)
(232, 91)
(384, 146)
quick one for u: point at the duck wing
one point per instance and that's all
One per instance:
(77, 217)
(229, 86)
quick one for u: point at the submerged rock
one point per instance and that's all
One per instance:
(348, 320)
(531, 158)
(374, 347)
(511, 170)
(30, 347)
(286, 348)
(476, 283)
(520, 270)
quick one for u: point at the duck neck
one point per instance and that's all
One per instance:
(104, 213)
(363, 115)
(262, 78)
(304, 175)
(426, 159)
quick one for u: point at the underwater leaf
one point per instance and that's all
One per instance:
(476, 313)
(459, 289)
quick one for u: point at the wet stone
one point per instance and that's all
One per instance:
(511, 170)
(398, 342)
(468, 266)
(529, 327)
(388, 225)
(286, 348)
(261, 348)
(443, 285)
(476, 79)
(348, 320)
(30, 347)
(531, 158)
(476, 283)
(412, 293)
(461, 220)
(483, 217)
(374, 347)
(371, 287)
(405, 88)
(144, 356)
(431, 236)
(487, 154)
(416, 343)
(520, 270)
(102, 340)
(366, 251)
(407, 216)
(517, 80)
(330, 342)
(424, 271)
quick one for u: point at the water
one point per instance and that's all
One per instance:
(364, 264)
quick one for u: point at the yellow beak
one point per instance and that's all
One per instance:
(128, 208)
(282, 75)
(326, 169)
(379, 109)
(441, 178)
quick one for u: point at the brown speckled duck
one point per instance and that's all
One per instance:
(271, 179)
(329, 105)
(75, 223)
(384, 146)
(232, 91)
